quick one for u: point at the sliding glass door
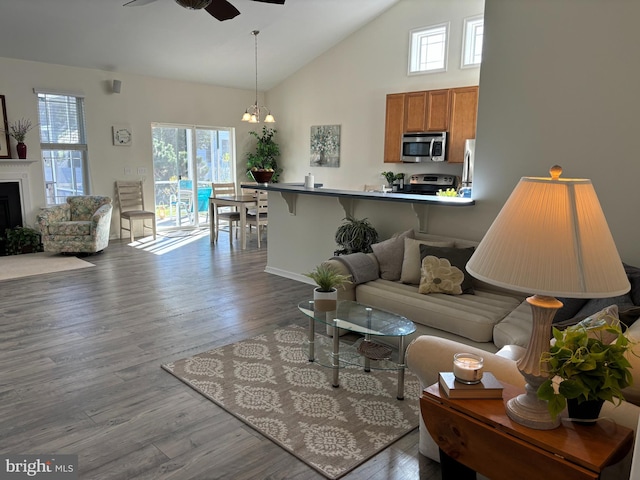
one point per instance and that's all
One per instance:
(186, 160)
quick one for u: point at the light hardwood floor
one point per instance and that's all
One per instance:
(80, 356)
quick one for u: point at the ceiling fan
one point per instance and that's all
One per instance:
(220, 9)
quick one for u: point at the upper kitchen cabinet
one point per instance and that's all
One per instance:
(462, 121)
(426, 111)
(452, 110)
(394, 124)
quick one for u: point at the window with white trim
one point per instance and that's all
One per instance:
(472, 45)
(428, 49)
(64, 146)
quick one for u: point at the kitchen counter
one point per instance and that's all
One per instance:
(289, 189)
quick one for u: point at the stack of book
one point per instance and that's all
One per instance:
(489, 387)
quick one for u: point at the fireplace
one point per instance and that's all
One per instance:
(10, 205)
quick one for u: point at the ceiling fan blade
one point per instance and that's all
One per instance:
(137, 3)
(222, 10)
(279, 2)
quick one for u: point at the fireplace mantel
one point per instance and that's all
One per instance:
(16, 162)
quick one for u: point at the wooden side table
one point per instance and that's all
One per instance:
(478, 436)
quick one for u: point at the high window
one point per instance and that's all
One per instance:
(428, 49)
(63, 144)
(472, 45)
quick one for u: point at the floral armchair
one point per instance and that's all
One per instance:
(81, 225)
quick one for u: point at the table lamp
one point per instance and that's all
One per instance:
(550, 239)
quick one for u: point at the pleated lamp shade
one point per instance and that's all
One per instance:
(551, 238)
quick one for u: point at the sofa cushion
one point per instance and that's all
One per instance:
(70, 228)
(457, 257)
(469, 316)
(390, 254)
(570, 307)
(412, 261)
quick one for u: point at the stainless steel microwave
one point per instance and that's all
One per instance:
(424, 147)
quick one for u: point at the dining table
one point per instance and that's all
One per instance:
(242, 203)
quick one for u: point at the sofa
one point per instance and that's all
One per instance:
(471, 318)
(80, 225)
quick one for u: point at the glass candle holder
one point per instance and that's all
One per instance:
(467, 368)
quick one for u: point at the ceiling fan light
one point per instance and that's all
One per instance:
(194, 4)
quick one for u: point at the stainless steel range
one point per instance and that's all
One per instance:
(430, 183)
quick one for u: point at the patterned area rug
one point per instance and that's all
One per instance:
(268, 382)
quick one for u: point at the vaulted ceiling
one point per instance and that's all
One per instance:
(163, 39)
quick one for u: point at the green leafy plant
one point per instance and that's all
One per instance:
(355, 236)
(591, 365)
(20, 239)
(392, 177)
(327, 278)
(265, 156)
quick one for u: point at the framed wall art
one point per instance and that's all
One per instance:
(5, 146)
(325, 146)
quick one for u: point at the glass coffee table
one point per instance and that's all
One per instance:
(369, 322)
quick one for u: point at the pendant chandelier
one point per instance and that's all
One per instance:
(253, 113)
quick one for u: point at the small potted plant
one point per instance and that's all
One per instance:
(328, 279)
(355, 236)
(590, 360)
(262, 164)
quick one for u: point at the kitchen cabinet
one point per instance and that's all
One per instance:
(426, 111)
(462, 121)
(394, 125)
(452, 110)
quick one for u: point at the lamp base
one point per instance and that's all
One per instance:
(527, 409)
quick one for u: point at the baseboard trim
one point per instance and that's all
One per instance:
(290, 275)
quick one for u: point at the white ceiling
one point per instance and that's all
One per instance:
(163, 39)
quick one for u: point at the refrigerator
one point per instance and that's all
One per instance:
(467, 167)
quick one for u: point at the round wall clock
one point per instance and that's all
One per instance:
(122, 135)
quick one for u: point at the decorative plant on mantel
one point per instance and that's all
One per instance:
(590, 359)
(19, 129)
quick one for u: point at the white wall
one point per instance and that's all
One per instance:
(348, 85)
(557, 86)
(142, 100)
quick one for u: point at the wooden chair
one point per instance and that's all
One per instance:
(258, 217)
(226, 214)
(131, 206)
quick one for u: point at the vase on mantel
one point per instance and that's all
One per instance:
(21, 147)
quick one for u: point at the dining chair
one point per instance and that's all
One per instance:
(131, 206)
(258, 217)
(227, 214)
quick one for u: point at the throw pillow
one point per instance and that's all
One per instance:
(412, 261)
(390, 254)
(633, 274)
(443, 270)
(570, 307)
(607, 315)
